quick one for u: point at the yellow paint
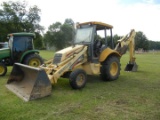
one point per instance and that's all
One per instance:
(127, 41)
(114, 68)
(70, 51)
(80, 79)
(1, 70)
(90, 68)
(105, 53)
(56, 71)
(99, 24)
(34, 62)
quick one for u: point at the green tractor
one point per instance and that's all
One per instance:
(20, 49)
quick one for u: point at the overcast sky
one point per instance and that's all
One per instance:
(124, 15)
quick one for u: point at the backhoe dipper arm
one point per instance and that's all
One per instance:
(125, 42)
(122, 46)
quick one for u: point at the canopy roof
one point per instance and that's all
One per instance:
(22, 34)
(100, 25)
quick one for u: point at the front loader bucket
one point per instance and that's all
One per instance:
(28, 82)
(131, 67)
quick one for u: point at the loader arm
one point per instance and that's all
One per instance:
(54, 72)
(31, 83)
(122, 47)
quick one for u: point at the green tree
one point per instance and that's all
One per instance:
(154, 45)
(38, 41)
(15, 17)
(60, 35)
(115, 38)
(53, 37)
(69, 22)
(141, 41)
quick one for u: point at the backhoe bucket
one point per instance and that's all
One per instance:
(131, 67)
(28, 82)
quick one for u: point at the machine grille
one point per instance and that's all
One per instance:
(57, 58)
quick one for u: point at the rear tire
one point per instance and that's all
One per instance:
(78, 79)
(33, 60)
(3, 69)
(110, 69)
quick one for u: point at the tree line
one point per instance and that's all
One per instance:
(18, 17)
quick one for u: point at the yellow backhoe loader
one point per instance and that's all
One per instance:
(87, 56)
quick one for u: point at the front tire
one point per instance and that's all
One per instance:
(78, 79)
(33, 60)
(3, 69)
(110, 69)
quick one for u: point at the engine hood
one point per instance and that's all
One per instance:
(66, 52)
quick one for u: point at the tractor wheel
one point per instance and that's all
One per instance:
(78, 79)
(3, 69)
(33, 60)
(110, 69)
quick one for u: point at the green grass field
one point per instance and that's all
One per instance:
(134, 96)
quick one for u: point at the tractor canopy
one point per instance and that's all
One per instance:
(94, 35)
(19, 43)
(87, 31)
(99, 25)
(22, 34)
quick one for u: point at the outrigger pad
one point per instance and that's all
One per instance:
(131, 67)
(28, 82)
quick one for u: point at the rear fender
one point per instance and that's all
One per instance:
(106, 53)
(27, 53)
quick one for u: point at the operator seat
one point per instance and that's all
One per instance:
(97, 47)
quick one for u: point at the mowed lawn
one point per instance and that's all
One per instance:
(134, 96)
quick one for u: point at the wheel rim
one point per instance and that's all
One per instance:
(1, 70)
(34, 62)
(114, 68)
(80, 79)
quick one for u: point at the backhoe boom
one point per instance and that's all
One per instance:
(122, 47)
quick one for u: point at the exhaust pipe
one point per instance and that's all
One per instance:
(28, 82)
